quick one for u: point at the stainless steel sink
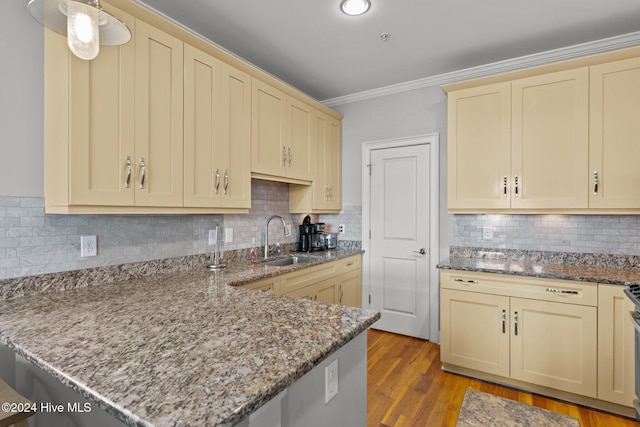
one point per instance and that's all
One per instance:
(294, 259)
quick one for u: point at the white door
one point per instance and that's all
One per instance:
(399, 245)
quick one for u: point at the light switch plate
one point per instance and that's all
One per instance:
(228, 235)
(213, 237)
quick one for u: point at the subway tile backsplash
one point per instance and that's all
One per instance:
(34, 243)
(601, 234)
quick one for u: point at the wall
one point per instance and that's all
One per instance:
(21, 101)
(405, 114)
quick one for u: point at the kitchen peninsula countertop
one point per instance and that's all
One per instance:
(597, 268)
(185, 348)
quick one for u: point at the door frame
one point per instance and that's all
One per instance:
(433, 140)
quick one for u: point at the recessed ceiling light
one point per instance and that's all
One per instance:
(355, 7)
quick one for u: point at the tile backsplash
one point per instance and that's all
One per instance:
(34, 243)
(602, 234)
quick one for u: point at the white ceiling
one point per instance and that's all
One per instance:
(312, 46)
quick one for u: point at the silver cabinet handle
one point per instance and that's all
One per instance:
(290, 156)
(127, 161)
(217, 180)
(326, 193)
(143, 171)
(468, 281)
(422, 251)
(226, 181)
(516, 185)
(595, 183)
(515, 322)
(504, 321)
(341, 294)
(562, 291)
(504, 186)
(284, 156)
(330, 192)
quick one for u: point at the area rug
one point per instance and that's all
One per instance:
(482, 410)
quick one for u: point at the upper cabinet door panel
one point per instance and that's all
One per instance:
(479, 147)
(101, 125)
(549, 140)
(268, 151)
(299, 143)
(236, 137)
(614, 146)
(159, 117)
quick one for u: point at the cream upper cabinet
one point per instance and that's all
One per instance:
(217, 133)
(614, 136)
(616, 338)
(159, 117)
(479, 132)
(520, 145)
(281, 137)
(325, 193)
(89, 123)
(549, 140)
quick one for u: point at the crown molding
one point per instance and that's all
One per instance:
(514, 64)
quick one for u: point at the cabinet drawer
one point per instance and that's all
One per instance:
(349, 264)
(564, 291)
(307, 276)
(269, 284)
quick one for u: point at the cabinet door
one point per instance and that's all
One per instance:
(101, 125)
(549, 140)
(202, 108)
(236, 137)
(349, 289)
(325, 291)
(217, 133)
(328, 191)
(268, 151)
(475, 331)
(614, 135)
(479, 126)
(159, 117)
(554, 345)
(616, 370)
(300, 139)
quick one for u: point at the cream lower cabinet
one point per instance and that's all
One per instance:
(616, 338)
(336, 282)
(217, 134)
(542, 332)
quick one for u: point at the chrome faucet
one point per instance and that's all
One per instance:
(266, 233)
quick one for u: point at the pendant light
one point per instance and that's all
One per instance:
(83, 22)
(355, 7)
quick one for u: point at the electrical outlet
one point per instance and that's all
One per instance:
(487, 233)
(331, 381)
(88, 246)
(341, 229)
(228, 235)
(213, 237)
(288, 228)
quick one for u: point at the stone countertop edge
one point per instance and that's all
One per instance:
(135, 347)
(587, 269)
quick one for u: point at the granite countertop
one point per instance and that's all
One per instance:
(179, 349)
(608, 269)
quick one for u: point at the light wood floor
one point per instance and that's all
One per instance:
(406, 387)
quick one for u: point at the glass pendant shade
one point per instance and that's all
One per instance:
(66, 17)
(83, 34)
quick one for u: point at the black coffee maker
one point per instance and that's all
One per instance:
(305, 235)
